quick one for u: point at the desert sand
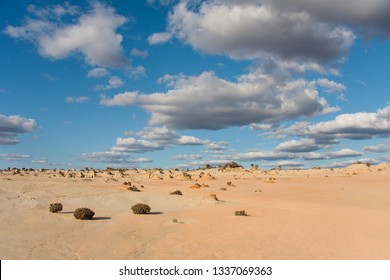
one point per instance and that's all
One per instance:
(292, 214)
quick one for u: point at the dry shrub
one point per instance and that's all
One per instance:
(196, 186)
(83, 214)
(176, 193)
(55, 207)
(140, 208)
(240, 213)
(133, 189)
(223, 189)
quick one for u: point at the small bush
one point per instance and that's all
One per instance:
(140, 208)
(83, 214)
(240, 213)
(223, 189)
(55, 207)
(133, 189)
(176, 193)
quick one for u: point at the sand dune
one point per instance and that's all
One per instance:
(301, 214)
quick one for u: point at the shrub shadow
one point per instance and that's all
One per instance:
(101, 218)
(155, 213)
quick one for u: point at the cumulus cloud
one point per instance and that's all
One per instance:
(76, 99)
(361, 125)
(113, 82)
(113, 157)
(149, 139)
(160, 2)
(287, 164)
(137, 72)
(92, 34)
(344, 153)
(331, 86)
(187, 157)
(381, 148)
(14, 157)
(366, 17)
(263, 155)
(297, 146)
(159, 38)
(154, 139)
(354, 126)
(208, 102)
(216, 27)
(11, 126)
(140, 53)
(98, 72)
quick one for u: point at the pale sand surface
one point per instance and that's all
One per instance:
(305, 214)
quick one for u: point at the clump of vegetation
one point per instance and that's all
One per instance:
(231, 165)
(140, 208)
(176, 193)
(258, 190)
(133, 189)
(240, 213)
(127, 183)
(223, 189)
(83, 214)
(55, 207)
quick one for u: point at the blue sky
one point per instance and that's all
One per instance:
(163, 83)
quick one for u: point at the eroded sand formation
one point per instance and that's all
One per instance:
(291, 214)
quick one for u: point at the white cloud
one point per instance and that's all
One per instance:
(113, 157)
(159, 38)
(40, 161)
(14, 157)
(287, 164)
(217, 27)
(297, 146)
(263, 155)
(98, 72)
(355, 126)
(151, 139)
(188, 157)
(367, 17)
(93, 35)
(77, 99)
(113, 82)
(161, 2)
(137, 72)
(140, 53)
(361, 125)
(11, 126)
(191, 140)
(344, 153)
(136, 146)
(208, 102)
(381, 148)
(331, 86)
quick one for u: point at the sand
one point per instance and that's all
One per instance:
(292, 214)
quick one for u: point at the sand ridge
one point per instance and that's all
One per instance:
(292, 214)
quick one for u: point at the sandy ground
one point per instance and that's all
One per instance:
(300, 214)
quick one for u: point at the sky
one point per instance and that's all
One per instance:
(186, 83)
